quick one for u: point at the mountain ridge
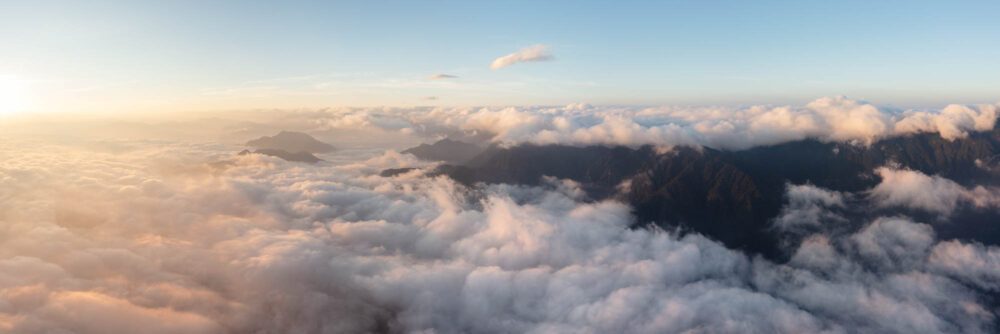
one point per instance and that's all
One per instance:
(447, 150)
(291, 141)
(733, 196)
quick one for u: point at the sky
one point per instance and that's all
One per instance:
(134, 57)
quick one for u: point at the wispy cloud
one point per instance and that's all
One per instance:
(537, 52)
(442, 76)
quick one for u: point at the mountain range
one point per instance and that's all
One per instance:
(734, 196)
(290, 146)
(447, 150)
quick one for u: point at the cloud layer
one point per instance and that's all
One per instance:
(834, 119)
(532, 53)
(153, 239)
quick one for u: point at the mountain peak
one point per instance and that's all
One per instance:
(451, 151)
(291, 141)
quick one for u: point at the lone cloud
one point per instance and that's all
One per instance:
(537, 52)
(442, 76)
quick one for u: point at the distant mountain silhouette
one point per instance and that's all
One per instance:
(447, 150)
(287, 156)
(395, 171)
(291, 142)
(732, 196)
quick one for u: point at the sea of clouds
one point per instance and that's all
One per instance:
(130, 234)
(827, 119)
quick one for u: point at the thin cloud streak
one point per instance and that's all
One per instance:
(538, 52)
(442, 76)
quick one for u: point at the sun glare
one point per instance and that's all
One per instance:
(13, 95)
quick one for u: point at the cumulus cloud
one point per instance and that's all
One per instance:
(834, 119)
(730, 128)
(875, 272)
(537, 52)
(954, 121)
(441, 76)
(269, 246)
(972, 263)
(808, 206)
(894, 242)
(916, 190)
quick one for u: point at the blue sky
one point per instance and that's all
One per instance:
(208, 55)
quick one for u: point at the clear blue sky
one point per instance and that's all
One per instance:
(199, 55)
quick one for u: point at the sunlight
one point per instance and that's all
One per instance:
(13, 95)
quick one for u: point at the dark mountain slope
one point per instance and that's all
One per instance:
(732, 196)
(598, 165)
(447, 150)
(703, 192)
(291, 142)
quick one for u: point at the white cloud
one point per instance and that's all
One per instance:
(954, 121)
(808, 206)
(915, 190)
(536, 52)
(894, 242)
(836, 119)
(152, 237)
(875, 273)
(973, 263)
